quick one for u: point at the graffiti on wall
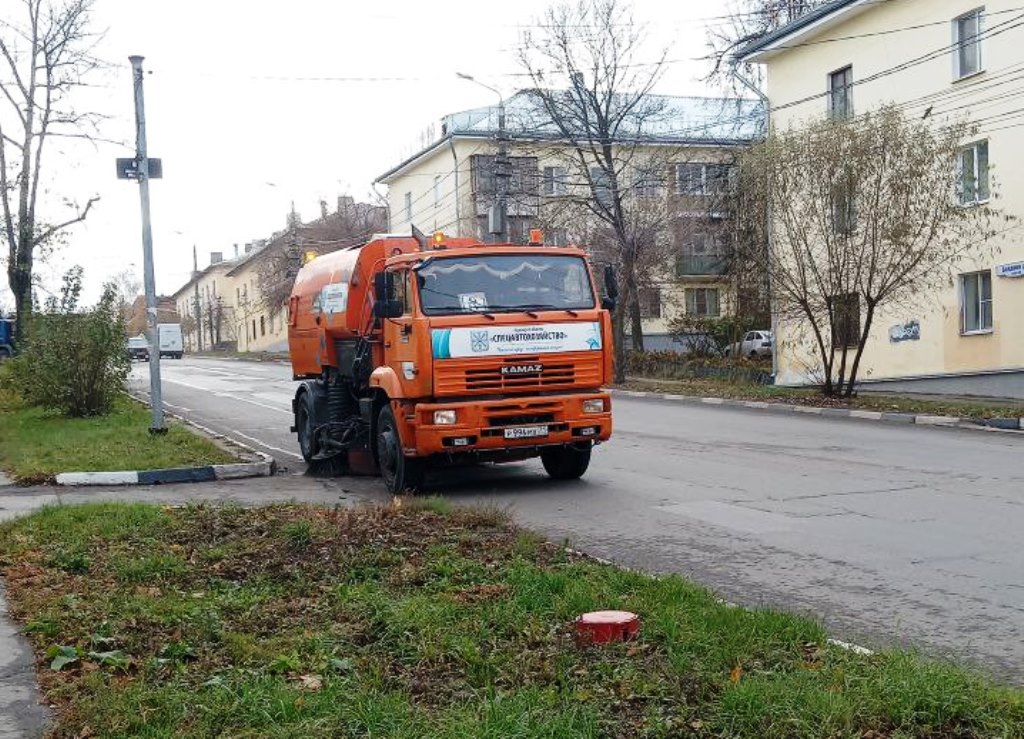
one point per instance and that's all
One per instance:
(909, 331)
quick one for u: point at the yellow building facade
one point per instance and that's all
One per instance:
(448, 186)
(938, 60)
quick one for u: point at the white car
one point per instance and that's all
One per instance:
(754, 344)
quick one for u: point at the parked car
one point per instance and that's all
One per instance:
(754, 344)
(138, 348)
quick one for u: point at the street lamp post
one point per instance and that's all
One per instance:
(498, 218)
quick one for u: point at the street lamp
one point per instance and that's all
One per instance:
(497, 217)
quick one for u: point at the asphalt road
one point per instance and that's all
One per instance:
(887, 533)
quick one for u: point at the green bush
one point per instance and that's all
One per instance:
(73, 361)
(668, 365)
(705, 337)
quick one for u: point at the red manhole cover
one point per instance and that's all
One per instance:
(601, 627)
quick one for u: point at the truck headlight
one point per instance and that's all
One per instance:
(444, 418)
(595, 405)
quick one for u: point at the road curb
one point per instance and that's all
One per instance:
(264, 466)
(922, 419)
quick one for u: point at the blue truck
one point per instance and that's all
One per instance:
(6, 338)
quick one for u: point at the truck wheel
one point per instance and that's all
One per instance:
(400, 473)
(304, 428)
(566, 462)
(5, 353)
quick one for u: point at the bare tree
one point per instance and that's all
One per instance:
(46, 56)
(280, 260)
(864, 218)
(604, 118)
(127, 287)
(745, 22)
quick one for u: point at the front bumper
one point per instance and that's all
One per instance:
(483, 425)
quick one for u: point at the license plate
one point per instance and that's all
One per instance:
(525, 432)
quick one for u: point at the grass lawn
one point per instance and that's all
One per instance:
(885, 403)
(417, 620)
(35, 445)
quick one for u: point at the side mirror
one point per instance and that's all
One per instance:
(384, 306)
(611, 289)
(382, 285)
(388, 309)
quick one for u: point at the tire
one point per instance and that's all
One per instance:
(566, 462)
(304, 426)
(400, 473)
(753, 354)
(5, 353)
(728, 351)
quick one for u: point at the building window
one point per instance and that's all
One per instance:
(650, 302)
(649, 182)
(840, 93)
(602, 186)
(701, 254)
(521, 172)
(254, 328)
(408, 207)
(554, 181)
(967, 44)
(845, 320)
(702, 179)
(973, 174)
(844, 209)
(976, 302)
(702, 302)
(437, 191)
(238, 295)
(263, 326)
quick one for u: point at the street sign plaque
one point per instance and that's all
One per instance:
(128, 169)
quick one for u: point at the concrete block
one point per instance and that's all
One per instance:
(244, 469)
(177, 474)
(937, 421)
(98, 478)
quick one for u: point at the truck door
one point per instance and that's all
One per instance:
(405, 339)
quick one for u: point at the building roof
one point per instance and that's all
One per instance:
(813, 21)
(197, 276)
(681, 121)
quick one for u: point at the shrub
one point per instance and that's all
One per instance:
(708, 337)
(667, 365)
(73, 361)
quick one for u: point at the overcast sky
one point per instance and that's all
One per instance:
(252, 106)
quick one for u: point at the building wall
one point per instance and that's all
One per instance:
(256, 327)
(456, 210)
(442, 173)
(213, 283)
(875, 41)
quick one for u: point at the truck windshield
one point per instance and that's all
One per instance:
(504, 283)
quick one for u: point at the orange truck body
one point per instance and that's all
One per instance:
(506, 384)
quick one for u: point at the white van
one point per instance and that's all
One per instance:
(169, 335)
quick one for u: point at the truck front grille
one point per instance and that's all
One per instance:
(480, 376)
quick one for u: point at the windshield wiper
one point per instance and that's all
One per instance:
(459, 310)
(529, 308)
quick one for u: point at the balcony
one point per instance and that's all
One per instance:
(700, 266)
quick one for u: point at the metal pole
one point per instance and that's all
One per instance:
(768, 229)
(198, 310)
(502, 170)
(501, 166)
(149, 280)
